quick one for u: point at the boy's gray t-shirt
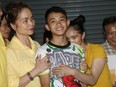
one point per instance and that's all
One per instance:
(70, 54)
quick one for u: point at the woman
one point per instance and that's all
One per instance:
(5, 29)
(98, 73)
(3, 67)
(22, 67)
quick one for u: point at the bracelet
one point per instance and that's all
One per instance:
(29, 75)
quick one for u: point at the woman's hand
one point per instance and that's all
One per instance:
(63, 70)
(42, 64)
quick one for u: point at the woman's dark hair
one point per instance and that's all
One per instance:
(78, 23)
(0, 10)
(13, 9)
(47, 34)
(3, 15)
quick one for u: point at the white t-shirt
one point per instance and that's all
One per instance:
(70, 54)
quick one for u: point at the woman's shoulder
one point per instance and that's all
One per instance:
(95, 45)
(36, 43)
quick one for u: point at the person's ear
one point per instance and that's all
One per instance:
(13, 26)
(68, 22)
(83, 36)
(105, 35)
(47, 27)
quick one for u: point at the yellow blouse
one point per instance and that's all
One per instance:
(94, 51)
(3, 65)
(21, 59)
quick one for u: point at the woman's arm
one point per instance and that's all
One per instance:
(40, 66)
(96, 70)
(91, 79)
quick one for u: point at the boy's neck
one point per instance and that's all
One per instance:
(61, 41)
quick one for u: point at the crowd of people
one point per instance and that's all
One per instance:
(64, 60)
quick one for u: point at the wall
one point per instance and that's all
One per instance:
(93, 10)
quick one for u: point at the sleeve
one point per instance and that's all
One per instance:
(43, 53)
(99, 52)
(80, 50)
(82, 56)
(13, 77)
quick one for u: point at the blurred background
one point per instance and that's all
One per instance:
(93, 10)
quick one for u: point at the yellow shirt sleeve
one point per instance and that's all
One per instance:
(94, 51)
(99, 51)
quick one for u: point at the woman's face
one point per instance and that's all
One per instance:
(5, 30)
(74, 36)
(25, 23)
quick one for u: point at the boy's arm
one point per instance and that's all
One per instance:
(44, 76)
(45, 80)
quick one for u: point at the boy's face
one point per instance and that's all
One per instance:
(57, 23)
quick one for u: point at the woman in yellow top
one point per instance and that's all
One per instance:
(3, 67)
(23, 66)
(5, 29)
(97, 74)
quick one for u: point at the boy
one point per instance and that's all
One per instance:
(60, 51)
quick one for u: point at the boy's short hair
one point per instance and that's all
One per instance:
(107, 21)
(56, 9)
